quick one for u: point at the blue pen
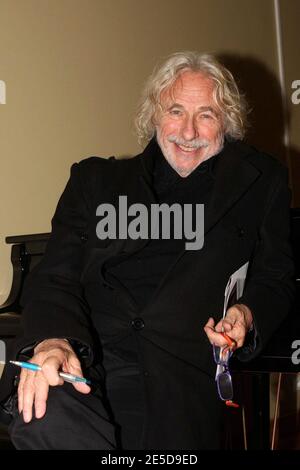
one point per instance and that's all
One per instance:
(67, 377)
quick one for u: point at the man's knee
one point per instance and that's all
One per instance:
(72, 421)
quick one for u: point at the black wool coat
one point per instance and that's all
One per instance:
(247, 219)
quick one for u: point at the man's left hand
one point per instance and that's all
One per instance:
(236, 324)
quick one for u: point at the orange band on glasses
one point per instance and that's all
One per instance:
(232, 404)
(231, 343)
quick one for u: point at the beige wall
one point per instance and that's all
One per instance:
(73, 71)
(290, 14)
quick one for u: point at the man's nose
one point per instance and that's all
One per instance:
(189, 129)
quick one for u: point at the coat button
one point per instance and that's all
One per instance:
(138, 324)
(83, 237)
(240, 232)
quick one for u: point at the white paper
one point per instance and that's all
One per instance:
(236, 283)
(233, 291)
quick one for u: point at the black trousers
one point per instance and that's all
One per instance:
(97, 421)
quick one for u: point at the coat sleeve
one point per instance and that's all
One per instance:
(53, 300)
(270, 287)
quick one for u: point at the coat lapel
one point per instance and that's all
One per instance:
(234, 177)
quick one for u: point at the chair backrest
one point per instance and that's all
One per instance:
(26, 253)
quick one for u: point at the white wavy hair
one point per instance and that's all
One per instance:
(230, 102)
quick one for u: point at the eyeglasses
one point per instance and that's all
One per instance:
(223, 376)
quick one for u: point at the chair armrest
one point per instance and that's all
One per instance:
(10, 324)
(18, 262)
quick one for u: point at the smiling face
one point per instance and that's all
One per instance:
(189, 128)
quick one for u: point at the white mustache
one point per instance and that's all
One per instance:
(195, 143)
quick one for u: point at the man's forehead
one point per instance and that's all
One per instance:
(189, 84)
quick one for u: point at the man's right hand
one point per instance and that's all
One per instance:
(52, 355)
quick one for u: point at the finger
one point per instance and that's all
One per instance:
(224, 325)
(50, 368)
(219, 326)
(238, 333)
(28, 395)
(22, 379)
(210, 323)
(73, 366)
(213, 336)
(228, 325)
(81, 387)
(240, 343)
(41, 395)
(233, 315)
(209, 327)
(217, 339)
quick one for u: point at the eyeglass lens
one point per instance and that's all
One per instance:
(224, 384)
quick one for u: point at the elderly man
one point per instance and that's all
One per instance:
(137, 315)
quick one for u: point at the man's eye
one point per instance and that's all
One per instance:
(206, 116)
(175, 112)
